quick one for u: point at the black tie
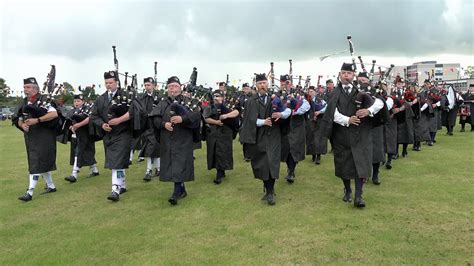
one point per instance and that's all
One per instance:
(263, 98)
(346, 89)
(110, 96)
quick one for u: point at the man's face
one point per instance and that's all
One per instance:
(222, 87)
(218, 99)
(312, 93)
(29, 90)
(363, 80)
(288, 84)
(174, 89)
(246, 90)
(471, 89)
(330, 86)
(399, 85)
(78, 103)
(346, 76)
(262, 86)
(111, 84)
(149, 87)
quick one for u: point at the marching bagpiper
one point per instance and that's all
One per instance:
(222, 125)
(111, 114)
(82, 141)
(37, 118)
(347, 123)
(467, 108)
(150, 148)
(294, 137)
(261, 134)
(177, 125)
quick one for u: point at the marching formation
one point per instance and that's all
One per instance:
(365, 121)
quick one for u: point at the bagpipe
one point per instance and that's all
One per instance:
(434, 96)
(120, 103)
(182, 105)
(80, 114)
(233, 123)
(318, 103)
(277, 104)
(464, 111)
(192, 98)
(290, 97)
(74, 116)
(465, 108)
(363, 98)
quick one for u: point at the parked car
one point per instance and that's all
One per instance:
(6, 113)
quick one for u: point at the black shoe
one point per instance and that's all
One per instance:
(173, 200)
(404, 154)
(157, 172)
(71, 179)
(94, 174)
(114, 196)
(317, 160)
(462, 130)
(147, 177)
(388, 165)
(48, 190)
(376, 181)
(430, 143)
(417, 148)
(359, 202)
(347, 196)
(26, 197)
(290, 178)
(217, 180)
(183, 195)
(270, 199)
(131, 162)
(123, 190)
(450, 133)
(434, 141)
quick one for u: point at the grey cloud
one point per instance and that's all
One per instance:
(243, 31)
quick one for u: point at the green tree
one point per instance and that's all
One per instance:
(469, 72)
(89, 92)
(4, 90)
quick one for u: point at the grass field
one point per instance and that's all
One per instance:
(421, 214)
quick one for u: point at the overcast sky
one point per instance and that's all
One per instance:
(220, 37)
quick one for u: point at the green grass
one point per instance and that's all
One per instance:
(421, 214)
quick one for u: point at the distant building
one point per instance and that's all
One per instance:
(422, 70)
(426, 69)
